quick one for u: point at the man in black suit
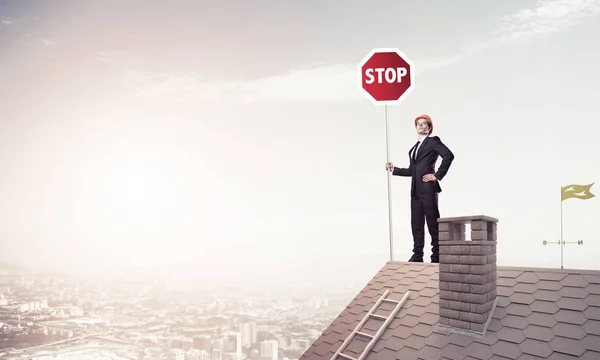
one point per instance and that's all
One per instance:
(425, 185)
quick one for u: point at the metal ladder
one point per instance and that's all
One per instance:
(374, 338)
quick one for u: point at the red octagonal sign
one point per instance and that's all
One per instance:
(386, 76)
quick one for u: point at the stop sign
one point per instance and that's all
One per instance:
(386, 76)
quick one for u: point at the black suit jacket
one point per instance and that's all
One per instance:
(430, 149)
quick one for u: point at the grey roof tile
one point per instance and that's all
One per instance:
(528, 277)
(589, 355)
(521, 298)
(386, 335)
(406, 353)
(552, 275)
(547, 307)
(569, 331)
(572, 304)
(505, 291)
(593, 289)
(511, 335)
(429, 319)
(506, 349)
(460, 340)
(430, 352)
(513, 274)
(592, 313)
(503, 301)
(489, 339)
(500, 313)
(528, 357)
(548, 285)
(437, 340)
(535, 348)
(515, 322)
(416, 309)
(518, 309)
(567, 346)
(573, 292)
(546, 295)
(479, 351)
(525, 288)
(574, 280)
(570, 317)
(540, 314)
(454, 352)
(592, 279)
(402, 332)
(561, 356)
(410, 320)
(541, 333)
(541, 319)
(593, 300)
(393, 345)
(423, 330)
(591, 342)
(415, 341)
(506, 282)
(356, 346)
(383, 354)
(495, 324)
(592, 327)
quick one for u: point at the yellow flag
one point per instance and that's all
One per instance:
(577, 191)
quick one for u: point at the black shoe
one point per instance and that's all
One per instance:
(416, 258)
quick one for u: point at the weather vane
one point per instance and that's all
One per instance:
(572, 191)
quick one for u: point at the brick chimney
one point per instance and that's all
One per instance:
(467, 273)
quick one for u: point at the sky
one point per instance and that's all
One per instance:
(230, 141)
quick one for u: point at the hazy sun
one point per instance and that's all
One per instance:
(135, 192)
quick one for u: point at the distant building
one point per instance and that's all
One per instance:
(202, 342)
(216, 354)
(233, 343)
(192, 354)
(176, 354)
(269, 349)
(248, 332)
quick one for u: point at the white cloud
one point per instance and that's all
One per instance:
(182, 87)
(548, 16)
(326, 83)
(339, 82)
(6, 22)
(48, 42)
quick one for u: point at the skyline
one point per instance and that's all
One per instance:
(202, 136)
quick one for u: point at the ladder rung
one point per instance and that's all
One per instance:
(378, 316)
(364, 334)
(391, 300)
(347, 356)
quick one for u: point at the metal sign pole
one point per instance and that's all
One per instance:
(389, 184)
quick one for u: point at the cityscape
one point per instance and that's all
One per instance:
(84, 317)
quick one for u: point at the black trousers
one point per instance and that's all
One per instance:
(424, 207)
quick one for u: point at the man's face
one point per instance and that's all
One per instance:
(422, 127)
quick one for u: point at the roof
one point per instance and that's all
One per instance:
(540, 314)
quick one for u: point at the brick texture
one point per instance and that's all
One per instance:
(467, 273)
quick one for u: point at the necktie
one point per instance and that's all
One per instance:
(415, 151)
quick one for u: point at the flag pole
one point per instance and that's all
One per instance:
(561, 229)
(389, 183)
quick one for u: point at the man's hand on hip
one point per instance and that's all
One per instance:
(429, 177)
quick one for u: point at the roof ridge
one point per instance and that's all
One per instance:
(511, 268)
